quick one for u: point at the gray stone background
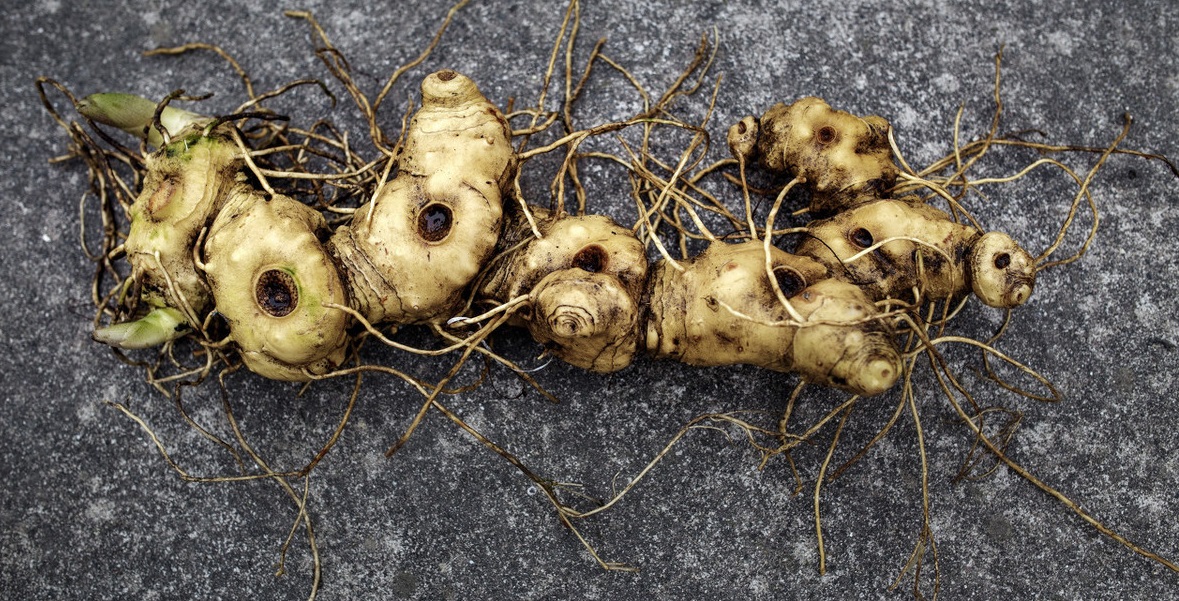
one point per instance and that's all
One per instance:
(89, 510)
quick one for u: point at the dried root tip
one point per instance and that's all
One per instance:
(272, 280)
(844, 159)
(133, 114)
(1002, 272)
(157, 327)
(742, 138)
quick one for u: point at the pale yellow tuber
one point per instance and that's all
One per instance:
(893, 247)
(583, 278)
(274, 282)
(722, 309)
(183, 188)
(410, 253)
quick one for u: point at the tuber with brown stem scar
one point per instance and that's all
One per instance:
(411, 252)
(583, 280)
(844, 159)
(890, 247)
(275, 284)
(185, 184)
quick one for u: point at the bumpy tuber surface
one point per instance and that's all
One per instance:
(271, 279)
(184, 185)
(915, 246)
(409, 254)
(589, 320)
(583, 277)
(722, 309)
(844, 159)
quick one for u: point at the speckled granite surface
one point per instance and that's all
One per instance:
(89, 510)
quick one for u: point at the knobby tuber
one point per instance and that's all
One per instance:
(722, 309)
(584, 278)
(185, 184)
(843, 158)
(891, 247)
(409, 255)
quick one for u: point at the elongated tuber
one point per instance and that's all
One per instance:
(915, 246)
(722, 309)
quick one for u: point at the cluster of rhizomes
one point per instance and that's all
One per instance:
(438, 239)
(290, 288)
(820, 311)
(893, 248)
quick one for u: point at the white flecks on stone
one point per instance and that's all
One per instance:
(1062, 41)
